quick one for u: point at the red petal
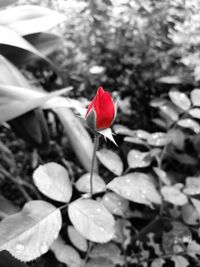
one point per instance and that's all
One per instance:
(104, 108)
(105, 111)
(96, 99)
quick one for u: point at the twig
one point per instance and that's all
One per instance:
(87, 254)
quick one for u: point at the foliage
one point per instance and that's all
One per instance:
(145, 208)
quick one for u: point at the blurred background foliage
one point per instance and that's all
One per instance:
(126, 46)
(137, 50)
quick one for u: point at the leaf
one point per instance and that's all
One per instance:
(123, 233)
(83, 183)
(92, 220)
(45, 42)
(110, 160)
(173, 195)
(135, 140)
(57, 102)
(110, 251)
(192, 186)
(83, 147)
(177, 138)
(189, 123)
(11, 75)
(195, 97)
(29, 234)
(161, 123)
(170, 80)
(78, 106)
(196, 204)
(77, 239)
(142, 134)
(179, 261)
(173, 240)
(52, 180)
(29, 19)
(180, 100)
(4, 3)
(123, 130)
(7, 207)
(137, 159)
(10, 38)
(137, 187)
(189, 214)
(66, 254)
(157, 139)
(15, 101)
(152, 243)
(114, 203)
(195, 113)
(193, 249)
(169, 112)
(162, 176)
(157, 102)
(158, 262)
(100, 262)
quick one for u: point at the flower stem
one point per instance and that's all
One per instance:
(96, 143)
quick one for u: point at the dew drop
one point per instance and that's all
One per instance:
(102, 229)
(19, 247)
(111, 236)
(44, 247)
(47, 187)
(128, 181)
(115, 210)
(106, 199)
(29, 257)
(127, 194)
(98, 210)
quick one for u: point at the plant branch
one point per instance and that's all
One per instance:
(90, 245)
(96, 143)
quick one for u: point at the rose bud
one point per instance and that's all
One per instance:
(101, 111)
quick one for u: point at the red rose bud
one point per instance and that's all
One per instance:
(101, 111)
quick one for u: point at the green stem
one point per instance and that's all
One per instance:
(96, 143)
(90, 244)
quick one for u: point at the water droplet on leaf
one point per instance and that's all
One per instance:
(19, 247)
(44, 248)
